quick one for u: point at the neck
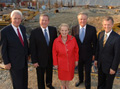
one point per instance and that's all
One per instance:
(64, 37)
(44, 27)
(82, 26)
(15, 26)
(107, 31)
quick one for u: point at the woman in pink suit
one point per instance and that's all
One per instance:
(65, 55)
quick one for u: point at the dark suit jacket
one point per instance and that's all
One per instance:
(40, 52)
(109, 55)
(12, 50)
(88, 47)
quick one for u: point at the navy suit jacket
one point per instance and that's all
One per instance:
(88, 47)
(40, 52)
(109, 55)
(12, 50)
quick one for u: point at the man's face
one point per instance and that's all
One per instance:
(107, 25)
(82, 19)
(44, 21)
(16, 19)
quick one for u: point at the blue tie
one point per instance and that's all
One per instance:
(82, 34)
(46, 37)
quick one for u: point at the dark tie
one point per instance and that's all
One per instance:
(82, 34)
(20, 37)
(46, 37)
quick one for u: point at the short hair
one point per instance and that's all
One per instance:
(16, 12)
(63, 24)
(44, 15)
(82, 13)
(107, 18)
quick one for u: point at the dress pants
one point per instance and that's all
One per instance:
(19, 78)
(85, 65)
(40, 76)
(105, 81)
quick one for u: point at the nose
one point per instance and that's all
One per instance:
(17, 20)
(107, 26)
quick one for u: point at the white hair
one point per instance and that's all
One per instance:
(16, 12)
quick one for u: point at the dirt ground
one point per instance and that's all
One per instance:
(56, 82)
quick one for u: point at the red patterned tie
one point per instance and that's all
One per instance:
(20, 37)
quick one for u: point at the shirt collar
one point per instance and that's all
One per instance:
(82, 27)
(44, 28)
(15, 28)
(108, 33)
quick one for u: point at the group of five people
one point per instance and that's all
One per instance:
(64, 52)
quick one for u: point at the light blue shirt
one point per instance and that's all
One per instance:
(80, 31)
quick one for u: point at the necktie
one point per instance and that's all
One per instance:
(46, 37)
(82, 34)
(20, 37)
(105, 39)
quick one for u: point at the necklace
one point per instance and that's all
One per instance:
(64, 40)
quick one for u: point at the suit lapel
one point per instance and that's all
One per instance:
(13, 33)
(77, 32)
(77, 29)
(41, 34)
(50, 32)
(101, 39)
(86, 33)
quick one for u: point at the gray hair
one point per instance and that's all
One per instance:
(63, 25)
(82, 13)
(16, 12)
(107, 18)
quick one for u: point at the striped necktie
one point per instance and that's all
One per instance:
(105, 39)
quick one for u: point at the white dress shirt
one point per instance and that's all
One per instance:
(81, 28)
(15, 29)
(108, 34)
(46, 31)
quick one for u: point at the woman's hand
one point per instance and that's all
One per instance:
(76, 63)
(56, 66)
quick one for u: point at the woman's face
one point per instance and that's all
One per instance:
(64, 31)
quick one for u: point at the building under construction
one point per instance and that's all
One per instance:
(13, 1)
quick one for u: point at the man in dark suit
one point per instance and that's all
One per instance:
(41, 41)
(107, 54)
(15, 51)
(86, 38)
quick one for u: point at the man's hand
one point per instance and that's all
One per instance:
(56, 66)
(95, 63)
(112, 71)
(36, 65)
(93, 58)
(8, 66)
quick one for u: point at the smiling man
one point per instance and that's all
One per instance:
(107, 54)
(15, 51)
(85, 35)
(41, 41)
